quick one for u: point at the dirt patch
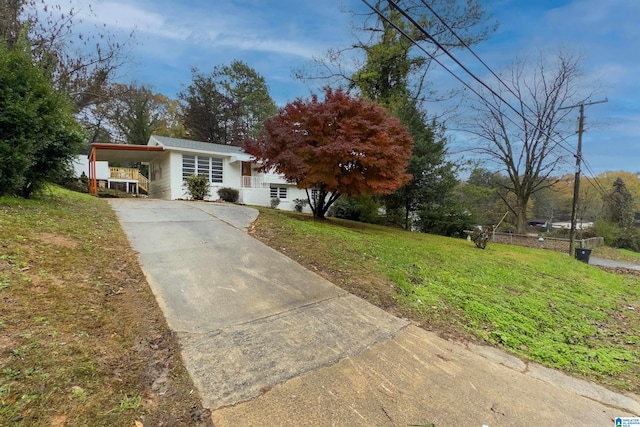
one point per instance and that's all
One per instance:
(56, 239)
(620, 270)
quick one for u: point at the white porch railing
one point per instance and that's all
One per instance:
(254, 182)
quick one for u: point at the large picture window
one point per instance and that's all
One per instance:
(211, 167)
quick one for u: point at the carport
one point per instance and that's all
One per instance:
(118, 153)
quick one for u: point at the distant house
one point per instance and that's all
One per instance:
(224, 165)
(538, 223)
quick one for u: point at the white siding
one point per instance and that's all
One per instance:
(81, 164)
(255, 196)
(231, 175)
(160, 177)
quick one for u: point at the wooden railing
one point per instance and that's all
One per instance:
(143, 183)
(124, 173)
(130, 174)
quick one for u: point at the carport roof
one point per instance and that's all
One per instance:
(125, 152)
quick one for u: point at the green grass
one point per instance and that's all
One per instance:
(616, 254)
(628, 253)
(540, 305)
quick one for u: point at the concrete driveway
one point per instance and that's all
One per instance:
(268, 342)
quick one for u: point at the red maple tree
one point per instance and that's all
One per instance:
(342, 145)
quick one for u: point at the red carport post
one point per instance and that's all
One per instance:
(93, 183)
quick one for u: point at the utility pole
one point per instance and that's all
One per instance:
(576, 182)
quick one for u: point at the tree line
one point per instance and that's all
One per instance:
(350, 154)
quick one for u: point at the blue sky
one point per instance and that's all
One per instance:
(274, 37)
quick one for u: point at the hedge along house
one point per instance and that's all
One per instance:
(171, 161)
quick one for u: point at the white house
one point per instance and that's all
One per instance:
(224, 165)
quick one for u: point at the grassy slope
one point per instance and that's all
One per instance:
(540, 305)
(82, 340)
(617, 254)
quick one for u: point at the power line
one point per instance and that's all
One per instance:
(467, 85)
(597, 184)
(476, 78)
(500, 80)
(491, 90)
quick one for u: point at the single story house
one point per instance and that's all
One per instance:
(224, 165)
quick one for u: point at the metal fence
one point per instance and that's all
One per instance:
(542, 242)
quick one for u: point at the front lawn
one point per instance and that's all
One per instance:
(540, 305)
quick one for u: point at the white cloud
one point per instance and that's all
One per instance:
(128, 17)
(227, 28)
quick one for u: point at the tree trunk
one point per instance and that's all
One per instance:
(406, 215)
(522, 218)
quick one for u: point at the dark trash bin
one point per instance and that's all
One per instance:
(583, 254)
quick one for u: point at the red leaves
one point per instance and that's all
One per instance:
(349, 145)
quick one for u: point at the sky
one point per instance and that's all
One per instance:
(277, 37)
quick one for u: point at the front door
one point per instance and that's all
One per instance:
(246, 174)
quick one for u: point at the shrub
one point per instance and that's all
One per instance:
(481, 236)
(445, 221)
(229, 194)
(628, 240)
(275, 202)
(197, 187)
(299, 204)
(609, 231)
(362, 208)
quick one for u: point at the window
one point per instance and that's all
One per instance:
(216, 169)
(204, 166)
(314, 194)
(188, 166)
(278, 192)
(211, 167)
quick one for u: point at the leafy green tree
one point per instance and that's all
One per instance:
(385, 78)
(229, 106)
(250, 91)
(392, 61)
(171, 121)
(631, 181)
(619, 205)
(79, 63)
(139, 118)
(40, 134)
(135, 112)
(433, 177)
(207, 110)
(479, 194)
